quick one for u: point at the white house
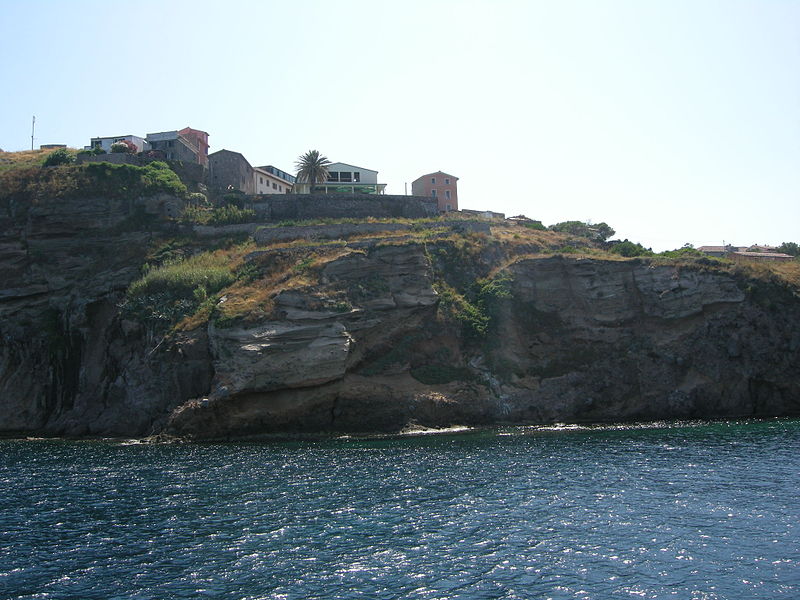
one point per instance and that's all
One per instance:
(142, 145)
(347, 179)
(269, 180)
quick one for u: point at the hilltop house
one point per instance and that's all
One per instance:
(187, 145)
(439, 185)
(346, 179)
(104, 143)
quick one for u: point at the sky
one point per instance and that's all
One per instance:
(674, 121)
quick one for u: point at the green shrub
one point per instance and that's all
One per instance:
(181, 278)
(535, 225)
(231, 215)
(194, 214)
(686, 251)
(629, 249)
(62, 156)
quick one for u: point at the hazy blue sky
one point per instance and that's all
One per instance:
(674, 121)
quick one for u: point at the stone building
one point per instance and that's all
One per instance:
(187, 145)
(229, 171)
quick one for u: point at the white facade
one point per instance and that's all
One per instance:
(267, 183)
(142, 145)
(346, 179)
(344, 173)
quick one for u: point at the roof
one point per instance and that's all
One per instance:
(436, 173)
(351, 166)
(108, 137)
(763, 254)
(239, 154)
(192, 129)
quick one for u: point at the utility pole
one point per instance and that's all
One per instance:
(33, 127)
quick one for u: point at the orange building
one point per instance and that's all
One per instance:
(198, 139)
(439, 185)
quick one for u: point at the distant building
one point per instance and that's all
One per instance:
(346, 179)
(229, 171)
(486, 214)
(187, 145)
(104, 143)
(269, 180)
(52, 146)
(739, 253)
(439, 185)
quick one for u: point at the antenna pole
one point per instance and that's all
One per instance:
(33, 127)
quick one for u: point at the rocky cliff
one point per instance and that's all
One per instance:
(379, 333)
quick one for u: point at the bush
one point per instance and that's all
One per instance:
(535, 225)
(123, 147)
(599, 232)
(62, 156)
(629, 249)
(687, 251)
(180, 279)
(231, 215)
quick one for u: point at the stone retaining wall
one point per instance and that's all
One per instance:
(298, 207)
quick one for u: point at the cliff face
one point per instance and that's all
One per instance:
(385, 336)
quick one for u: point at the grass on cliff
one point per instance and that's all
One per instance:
(25, 158)
(32, 184)
(167, 293)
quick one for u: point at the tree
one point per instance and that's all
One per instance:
(599, 232)
(789, 248)
(312, 168)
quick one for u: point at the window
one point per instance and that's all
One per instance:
(280, 188)
(345, 176)
(274, 186)
(433, 193)
(356, 176)
(446, 181)
(333, 176)
(433, 180)
(447, 195)
(448, 207)
(260, 179)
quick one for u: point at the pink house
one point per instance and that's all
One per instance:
(438, 185)
(199, 140)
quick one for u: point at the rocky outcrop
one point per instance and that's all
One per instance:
(578, 340)
(389, 334)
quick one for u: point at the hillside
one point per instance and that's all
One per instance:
(117, 320)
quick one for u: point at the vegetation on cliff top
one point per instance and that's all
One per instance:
(32, 184)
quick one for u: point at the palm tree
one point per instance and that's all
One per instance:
(312, 168)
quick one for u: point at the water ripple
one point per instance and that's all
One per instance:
(689, 511)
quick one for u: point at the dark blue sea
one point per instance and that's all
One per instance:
(686, 511)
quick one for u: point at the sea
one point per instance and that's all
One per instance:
(691, 510)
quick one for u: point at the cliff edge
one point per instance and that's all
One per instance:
(426, 324)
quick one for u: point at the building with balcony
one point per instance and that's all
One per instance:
(346, 179)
